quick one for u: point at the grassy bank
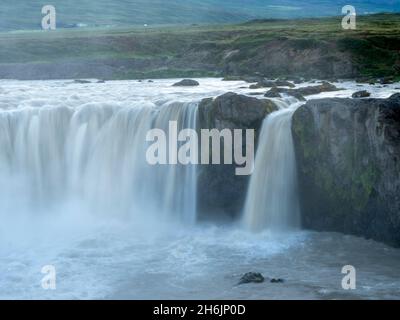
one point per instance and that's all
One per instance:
(306, 47)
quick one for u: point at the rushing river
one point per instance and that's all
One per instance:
(77, 194)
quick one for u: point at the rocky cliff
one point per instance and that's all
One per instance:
(348, 157)
(221, 191)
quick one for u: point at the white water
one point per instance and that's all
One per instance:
(272, 201)
(93, 157)
(75, 193)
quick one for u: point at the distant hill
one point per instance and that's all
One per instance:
(26, 14)
(311, 48)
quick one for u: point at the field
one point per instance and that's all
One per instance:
(302, 47)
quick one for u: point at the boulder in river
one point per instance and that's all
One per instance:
(348, 160)
(271, 84)
(186, 83)
(273, 93)
(80, 81)
(277, 280)
(361, 94)
(299, 93)
(251, 277)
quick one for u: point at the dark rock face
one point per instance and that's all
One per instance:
(186, 83)
(221, 191)
(251, 277)
(348, 157)
(361, 94)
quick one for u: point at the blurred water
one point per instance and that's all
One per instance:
(76, 194)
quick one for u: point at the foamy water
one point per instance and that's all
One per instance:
(104, 252)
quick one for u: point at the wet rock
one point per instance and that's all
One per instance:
(251, 277)
(276, 93)
(271, 84)
(82, 81)
(324, 87)
(361, 94)
(299, 93)
(277, 280)
(348, 164)
(221, 193)
(150, 81)
(101, 81)
(186, 83)
(386, 80)
(273, 93)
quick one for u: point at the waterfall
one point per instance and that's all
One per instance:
(272, 201)
(93, 156)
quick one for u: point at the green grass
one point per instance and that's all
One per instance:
(375, 45)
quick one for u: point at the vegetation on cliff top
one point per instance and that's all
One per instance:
(374, 48)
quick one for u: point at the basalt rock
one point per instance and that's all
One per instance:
(251, 277)
(361, 94)
(186, 83)
(273, 93)
(299, 93)
(221, 191)
(271, 84)
(348, 158)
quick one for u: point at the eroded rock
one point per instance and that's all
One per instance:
(348, 159)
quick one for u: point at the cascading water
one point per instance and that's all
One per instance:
(272, 201)
(72, 157)
(93, 156)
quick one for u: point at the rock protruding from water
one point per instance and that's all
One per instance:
(277, 280)
(234, 111)
(251, 277)
(299, 93)
(221, 191)
(80, 81)
(187, 83)
(361, 94)
(348, 159)
(272, 83)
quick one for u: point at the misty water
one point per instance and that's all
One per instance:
(76, 193)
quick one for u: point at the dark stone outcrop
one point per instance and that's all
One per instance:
(324, 87)
(361, 94)
(277, 280)
(272, 83)
(348, 157)
(186, 83)
(273, 93)
(251, 277)
(299, 93)
(82, 81)
(221, 191)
